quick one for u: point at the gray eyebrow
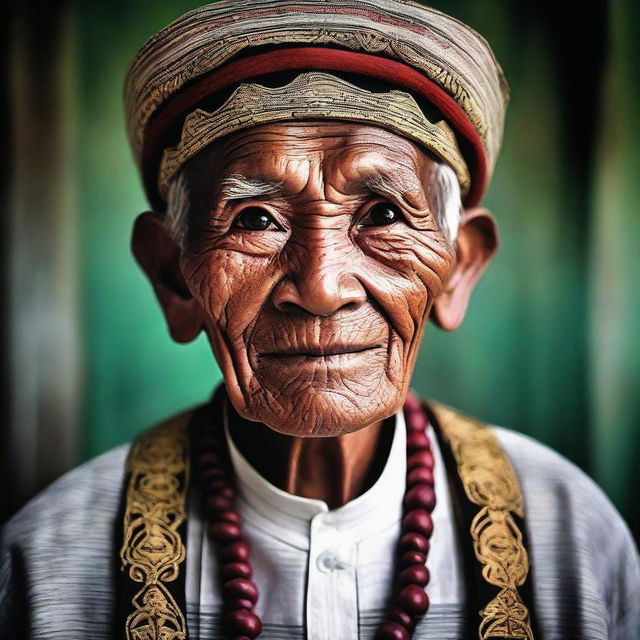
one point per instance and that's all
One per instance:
(389, 186)
(238, 187)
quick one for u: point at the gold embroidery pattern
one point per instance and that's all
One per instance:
(490, 482)
(317, 95)
(152, 547)
(157, 616)
(506, 617)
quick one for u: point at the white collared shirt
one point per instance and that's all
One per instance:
(326, 572)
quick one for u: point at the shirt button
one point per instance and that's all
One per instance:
(330, 561)
(326, 562)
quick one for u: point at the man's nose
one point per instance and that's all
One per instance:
(321, 281)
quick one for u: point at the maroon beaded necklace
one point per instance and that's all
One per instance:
(239, 592)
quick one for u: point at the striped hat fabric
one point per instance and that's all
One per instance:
(191, 72)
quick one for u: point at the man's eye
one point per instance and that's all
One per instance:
(381, 214)
(254, 219)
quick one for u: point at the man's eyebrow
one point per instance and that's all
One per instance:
(238, 187)
(396, 187)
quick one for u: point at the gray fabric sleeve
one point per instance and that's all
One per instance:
(584, 561)
(57, 559)
(14, 624)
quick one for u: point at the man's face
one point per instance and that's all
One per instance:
(315, 255)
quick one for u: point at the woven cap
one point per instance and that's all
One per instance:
(213, 50)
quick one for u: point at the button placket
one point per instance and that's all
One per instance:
(332, 602)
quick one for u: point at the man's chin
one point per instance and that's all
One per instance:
(316, 410)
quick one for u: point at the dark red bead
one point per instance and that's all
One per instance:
(392, 631)
(422, 496)
(396, 614)
(225, 531)
(225, 491)
(409, 558)
(228, 516)
(418, 520)
(416, 421)
(414, 542)
(217, 503)
(412, 406)
(235, 552)
(418, 441)
(413, 600)
(411, 402)
(211, 474)
(238, 603)
(210, 487)
(419, 475)
(217, 487)
(243, 623)
(209, 442)
(209, 428)
(422, 458)
(209, 459)
(236, 570)
(415, 574)
(240, 588)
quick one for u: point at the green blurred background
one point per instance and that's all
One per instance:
(549, 346)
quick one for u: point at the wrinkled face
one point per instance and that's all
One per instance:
(315, 255)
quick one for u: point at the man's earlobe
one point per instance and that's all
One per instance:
(477, 242)
(157, 252)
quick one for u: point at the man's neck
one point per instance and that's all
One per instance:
(335, 470)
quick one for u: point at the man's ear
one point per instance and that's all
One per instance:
(477, 242)
(159, 256)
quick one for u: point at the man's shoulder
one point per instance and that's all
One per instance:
(539, 459)
(544, 472)
(541, 471)
(561, 497)
(579, 542)
(586, 569)
(563, 505)
(87, 496)
(56, 553)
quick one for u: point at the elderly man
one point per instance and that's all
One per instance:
(315, 170)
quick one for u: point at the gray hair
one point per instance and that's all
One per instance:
(178, 204)
(448, 201)
(446, 190)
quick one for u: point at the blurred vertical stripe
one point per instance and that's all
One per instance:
(615, 271)
(43, 322)
(7, 498)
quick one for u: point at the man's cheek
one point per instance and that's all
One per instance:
(405, 289)
(210, 282)
(425, 275)
(429, 258)
(417, 256)
(232, 290)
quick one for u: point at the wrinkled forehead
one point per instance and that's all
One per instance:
(347, 155)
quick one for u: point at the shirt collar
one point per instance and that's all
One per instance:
(288, 517)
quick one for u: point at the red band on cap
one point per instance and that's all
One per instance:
(312, 58)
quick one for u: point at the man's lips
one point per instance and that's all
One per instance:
(320, 351)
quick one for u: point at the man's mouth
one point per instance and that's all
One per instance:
(321, 351)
